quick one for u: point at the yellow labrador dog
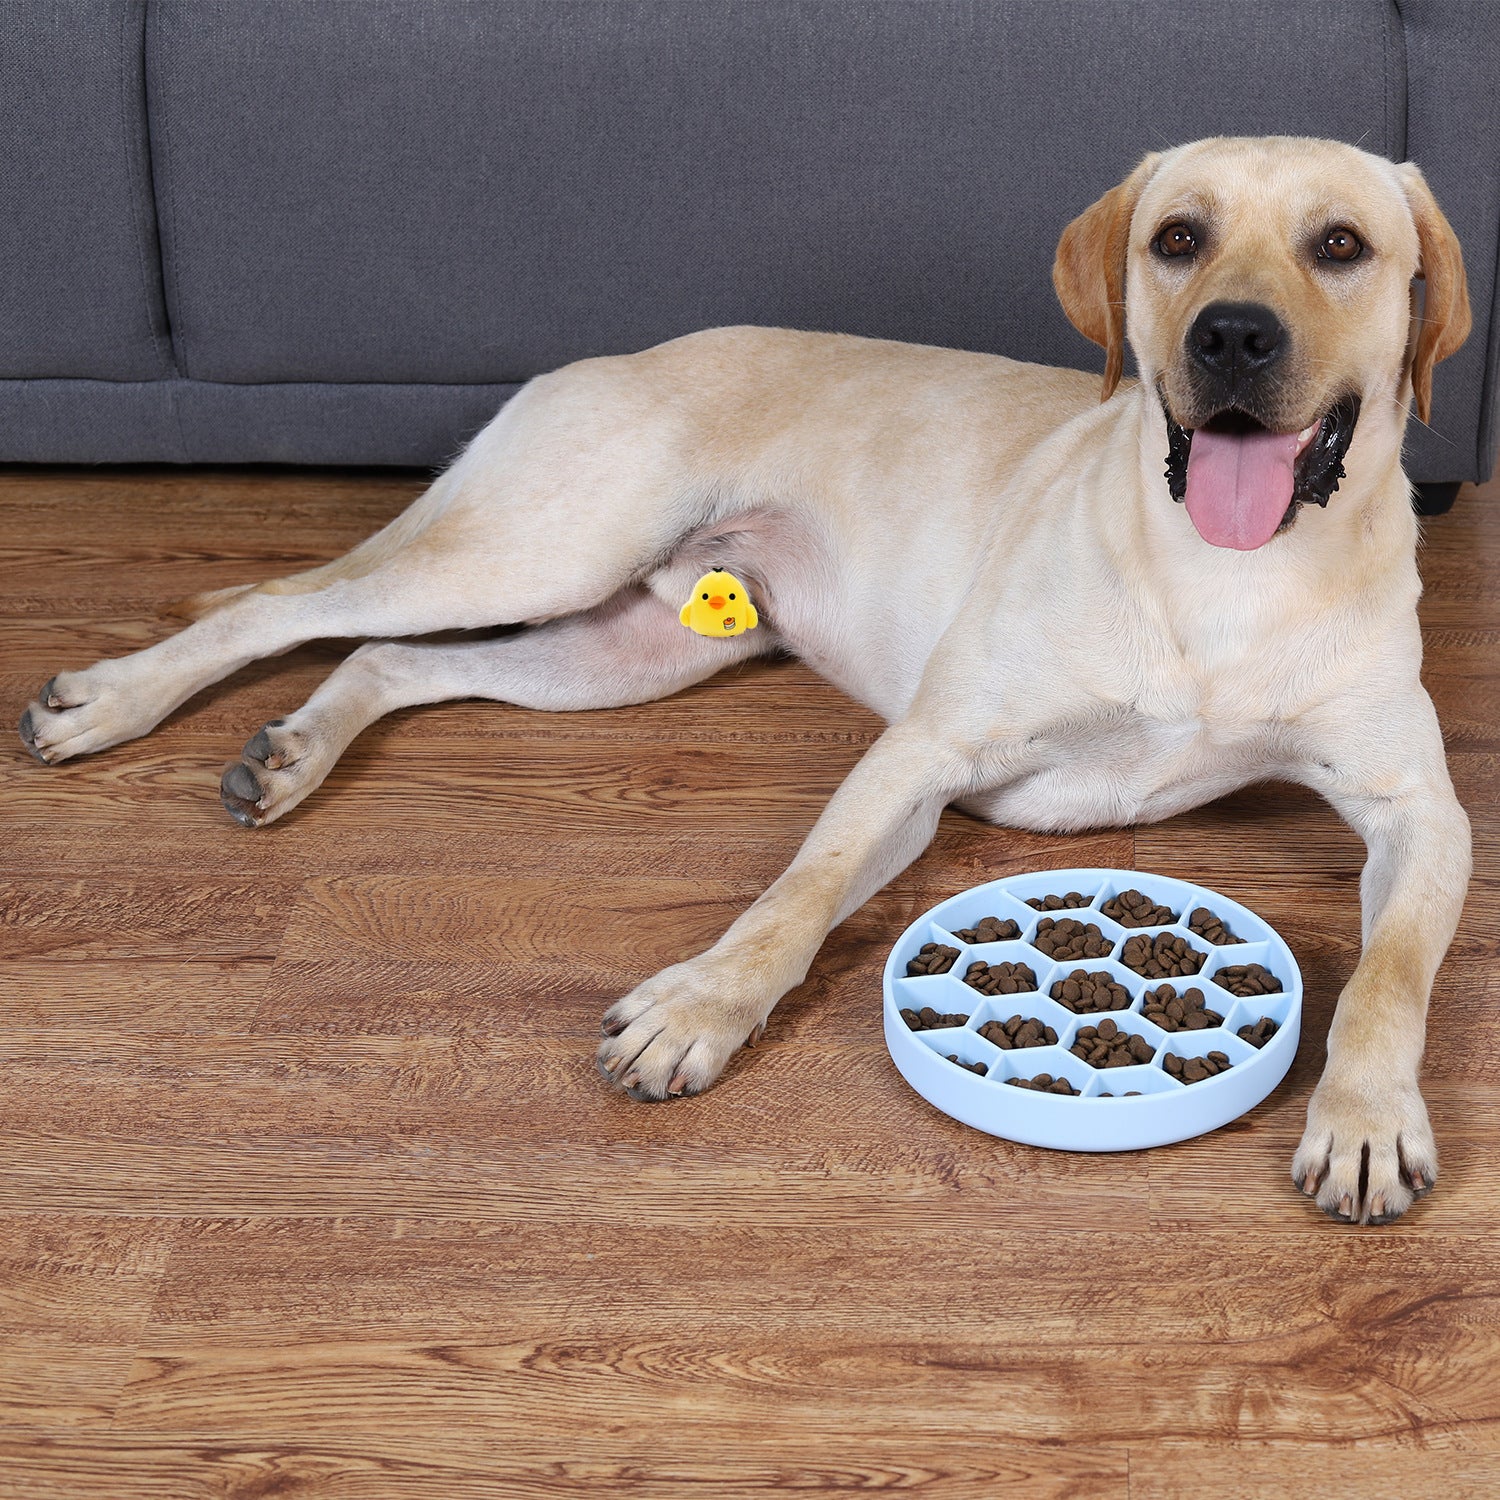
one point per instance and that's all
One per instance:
(1232, 534)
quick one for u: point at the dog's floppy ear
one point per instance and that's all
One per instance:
(1445, 320)
(1089, 272)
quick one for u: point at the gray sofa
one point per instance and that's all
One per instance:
(344, 231)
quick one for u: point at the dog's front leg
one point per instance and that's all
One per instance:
(676, 1031)
(1368, 1151)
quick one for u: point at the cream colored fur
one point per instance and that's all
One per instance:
(984, 554)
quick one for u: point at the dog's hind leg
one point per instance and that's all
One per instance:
(574, 490)
(444, 585)
(629, 650)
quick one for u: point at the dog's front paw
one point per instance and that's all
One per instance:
(1368, 1153)
(673, 1034)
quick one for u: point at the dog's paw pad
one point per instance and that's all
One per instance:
(275, 751)
(278, 767)
(27, 730)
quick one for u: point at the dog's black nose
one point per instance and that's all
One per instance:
(1230, 339)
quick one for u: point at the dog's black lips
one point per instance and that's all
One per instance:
(1319, 466)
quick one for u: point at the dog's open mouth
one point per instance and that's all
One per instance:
(1243, 483)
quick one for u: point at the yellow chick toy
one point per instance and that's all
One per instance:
(719, 606)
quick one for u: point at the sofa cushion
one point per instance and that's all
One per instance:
(1453, 126)
(80, 287)
(374, 190)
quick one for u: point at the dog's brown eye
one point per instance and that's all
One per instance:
(1340, 244)
(1176, 239)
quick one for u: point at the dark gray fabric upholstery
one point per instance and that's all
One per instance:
(378, 216)
(1453, 134)
(199, 421)
(80, 283)
(374, 190)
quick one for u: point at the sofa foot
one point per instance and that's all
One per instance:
(1435, 499)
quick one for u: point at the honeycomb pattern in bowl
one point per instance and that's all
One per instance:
(1146, 1106)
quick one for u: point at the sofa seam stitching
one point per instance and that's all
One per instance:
(162, 195)
(1405, 74)
(1488, 394)
(1385, 74)
(160, 348)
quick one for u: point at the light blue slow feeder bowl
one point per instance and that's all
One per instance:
(1165, 1110)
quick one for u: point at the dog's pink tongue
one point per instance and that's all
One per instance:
(1239, 485)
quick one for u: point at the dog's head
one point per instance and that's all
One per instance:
(1266, 288)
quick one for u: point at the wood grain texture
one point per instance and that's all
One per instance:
(308, 1187)
(493, 1461)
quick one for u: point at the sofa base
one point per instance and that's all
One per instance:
(423, 426)
(195, 421)
(1435, 499)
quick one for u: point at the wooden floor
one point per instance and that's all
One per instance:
(308, 1187)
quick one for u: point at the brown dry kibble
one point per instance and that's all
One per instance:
(1179, 1012)
(1210, 928)
(989, 930)
(1019, 1031)
(1071, 902)
(932, 958)
(1086, 993)
(1066, 938)
(975, 1067)
(1106, 1046)
(1044, 1083)
(1000, 979)
(1128, 1094)
(1165, 956)
(1258, 1033)
(927, 1019)
(1196, 1069)
(1136, 909)
(1248, 979)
